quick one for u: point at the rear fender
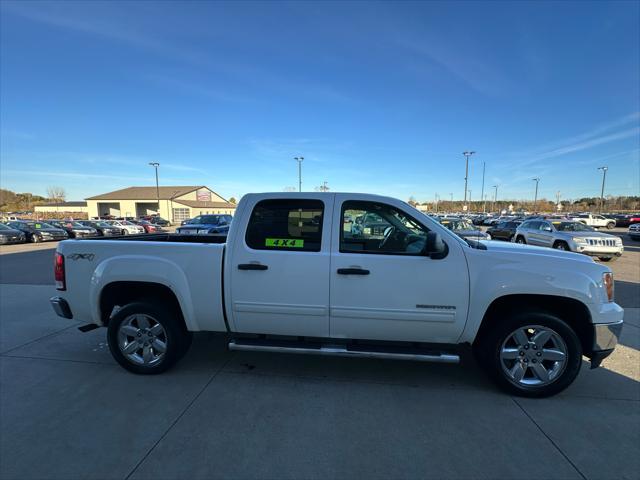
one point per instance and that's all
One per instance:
(142, 268)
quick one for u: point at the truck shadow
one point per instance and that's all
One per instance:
(615, 379)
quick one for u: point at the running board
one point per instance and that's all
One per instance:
(343, 351)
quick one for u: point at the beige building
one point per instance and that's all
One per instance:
(176, 203)
(62, 207)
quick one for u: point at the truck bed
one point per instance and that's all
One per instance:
(191, 268)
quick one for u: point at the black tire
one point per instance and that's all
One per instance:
(124, 232)
(561, 246)
(35, 238)
(488, 350)
(607, 259)
(611, 225)
(175, 336)
(520, 239)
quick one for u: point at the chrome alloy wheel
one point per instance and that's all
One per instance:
(142, 340)
(533, 356)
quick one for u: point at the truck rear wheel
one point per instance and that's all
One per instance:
(147, 339)
(531, 354)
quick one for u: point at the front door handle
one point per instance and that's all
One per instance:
(353, 271)
(252, 266)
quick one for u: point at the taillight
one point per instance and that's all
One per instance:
(58, 271)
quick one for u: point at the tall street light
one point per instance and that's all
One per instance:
(484, 204)
(604, 177)
(156, 165)
(299, 160)
(466, 154)
(495, 197)
(535, 198)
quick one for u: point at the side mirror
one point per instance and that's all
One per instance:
(435, 247)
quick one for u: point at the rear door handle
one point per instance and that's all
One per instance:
(353, 271)
(252, 266)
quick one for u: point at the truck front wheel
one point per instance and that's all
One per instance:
(147, 339)
(531, 354)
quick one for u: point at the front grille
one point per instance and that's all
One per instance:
(599, 242)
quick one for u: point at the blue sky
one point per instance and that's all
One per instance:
(378, 97)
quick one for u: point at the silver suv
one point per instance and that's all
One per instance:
(571, 236)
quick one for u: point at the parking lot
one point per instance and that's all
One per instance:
(67, 410)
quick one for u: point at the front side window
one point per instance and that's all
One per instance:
(380, 229)
(293, 225)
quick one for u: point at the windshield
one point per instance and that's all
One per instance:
(572, 227)
(455, 224)
(205, 220)
(4, 227)
(102, 224)
(40, 225)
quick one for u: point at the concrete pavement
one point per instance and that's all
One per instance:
(68, 411)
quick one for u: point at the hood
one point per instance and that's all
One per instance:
(470, 233)
(202, 227)
(516, 248)
(11, 233)
(588, 235)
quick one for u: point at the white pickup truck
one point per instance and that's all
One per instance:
(596, 221)
(295, 275)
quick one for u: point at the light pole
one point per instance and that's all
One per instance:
(495, 197)
(299, 160)
(604, 177)
(466, 154)
(535, 198)
(470, 200)
(156, 165)
(484, 204)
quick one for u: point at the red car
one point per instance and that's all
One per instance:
(148, 226)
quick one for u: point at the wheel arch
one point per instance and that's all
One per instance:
(575, 313)
(120, 293)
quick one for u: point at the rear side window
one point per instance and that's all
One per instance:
(293, 225)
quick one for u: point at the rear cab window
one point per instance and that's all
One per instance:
(286, 224)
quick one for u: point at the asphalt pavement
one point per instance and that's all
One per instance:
(67, 410)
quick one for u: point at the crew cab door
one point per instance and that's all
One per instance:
(384, 288)
(279, 266)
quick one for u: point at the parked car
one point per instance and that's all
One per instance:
(504, 230)
(74, 229)
(103, 228)
(634, 231)
(36, 231)
(463, 228)
(595, 220)
(157, 220)
(571, 236)
(148, 226)
(206, 224)
(10, 235)
(186, 222)
(126, 227)
(292, 279)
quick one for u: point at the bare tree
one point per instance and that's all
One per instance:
(57, 194)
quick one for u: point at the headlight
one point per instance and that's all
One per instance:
(618, 241)
(580, 240)
(607, 282)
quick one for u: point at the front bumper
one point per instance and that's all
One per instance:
(605, 339)
(61, 307)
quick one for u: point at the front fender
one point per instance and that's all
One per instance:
(142, 268)
(503, 280)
